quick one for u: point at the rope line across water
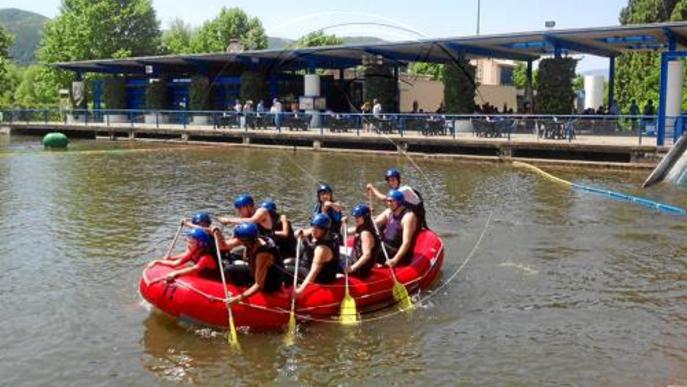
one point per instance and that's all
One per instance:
(644, 202)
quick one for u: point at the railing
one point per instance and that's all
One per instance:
(603, 129)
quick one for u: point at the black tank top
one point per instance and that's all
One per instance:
(287, 244)
(364, 270)
(329, 270)
(273, 279)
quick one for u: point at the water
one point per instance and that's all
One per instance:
(565, 288)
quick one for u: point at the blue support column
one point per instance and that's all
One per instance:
(662, 99)
(611, 81)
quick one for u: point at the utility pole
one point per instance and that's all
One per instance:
(479, 10)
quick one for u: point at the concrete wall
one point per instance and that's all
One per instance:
(426, 92)
(497, 96)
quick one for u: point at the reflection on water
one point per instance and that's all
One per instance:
(563, 281)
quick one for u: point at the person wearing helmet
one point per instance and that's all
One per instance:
(263, 272)
(366, 243)
(200, 254)
(320, 254)
(246, 212)
(327, 205)
(284, 236)
(413, 198)
(199, 220)
(399, 227)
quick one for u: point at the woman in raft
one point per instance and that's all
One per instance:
(330, 207)
(199, 257)
(284, 236)
(366, 244)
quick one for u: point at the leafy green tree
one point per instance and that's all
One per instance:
(555, 94)
(459, 87)
(434, 70)
(638, 74)
(231, 23)
(10, 81)
(380, 84)
(177, 38)
(520, 77)
(318, 39)
(95, 29)
(5, 42)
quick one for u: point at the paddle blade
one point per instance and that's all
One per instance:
(233, 336)
(349, 312)
(401, 296)
(290, 337)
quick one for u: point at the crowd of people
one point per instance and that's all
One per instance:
(270, 243)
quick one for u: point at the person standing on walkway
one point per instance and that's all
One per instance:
(276, 110)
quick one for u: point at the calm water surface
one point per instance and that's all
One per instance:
(565, 288)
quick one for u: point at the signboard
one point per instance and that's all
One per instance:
(312, 103)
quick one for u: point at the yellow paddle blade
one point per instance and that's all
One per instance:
(401, 296)
(233, 337)
(349, 313)
(290, 337)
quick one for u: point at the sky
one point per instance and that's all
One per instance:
(391, 20)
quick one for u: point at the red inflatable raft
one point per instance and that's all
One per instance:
(201, 300)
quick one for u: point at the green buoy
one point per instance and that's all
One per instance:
(55, 140)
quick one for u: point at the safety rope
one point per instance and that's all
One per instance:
(648, 203)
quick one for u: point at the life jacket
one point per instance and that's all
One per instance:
(263, 231)
(329, 270)
(393, 234)
(334, 215)
(273, 279)
(364, 270)
(287, 244)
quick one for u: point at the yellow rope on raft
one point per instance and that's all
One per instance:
(541, 172)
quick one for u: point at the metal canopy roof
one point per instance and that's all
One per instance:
(525, 46)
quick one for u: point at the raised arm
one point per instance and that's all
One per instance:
(284, 232)
(379, 195)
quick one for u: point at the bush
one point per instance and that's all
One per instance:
(459, 87)
(114, 93)
(199, 93)
(555, 93)
(157, 95)
(380, 84)
(253, 87)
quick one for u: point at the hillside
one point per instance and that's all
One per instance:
(26, 28)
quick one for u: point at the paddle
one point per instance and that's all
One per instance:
(233, 337)
(291, 333)
(349, 313)
(174, 241)
(399, 291)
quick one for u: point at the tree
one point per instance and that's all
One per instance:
(555, 93)
(5, 42)
(433, 70)
(638, 75)
(459, 87)
(380, 84)
(231, 23)
(10, 81)
(177, 38)
(96, 29)
(520, 77)
(318, 39)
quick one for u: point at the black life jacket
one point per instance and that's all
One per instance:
(334, 215)
(273, 279)
(329, 270)
(287, 244)
(364, 270)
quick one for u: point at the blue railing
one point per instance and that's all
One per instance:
(515, 127)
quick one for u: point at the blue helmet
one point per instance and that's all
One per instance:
(396, 195)
(200, 235)
(361, 210)
(324, 188)
(321, 221)
(393, 172)
(246, 231)
(270, 206)
(243, 201)
(201, 218)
